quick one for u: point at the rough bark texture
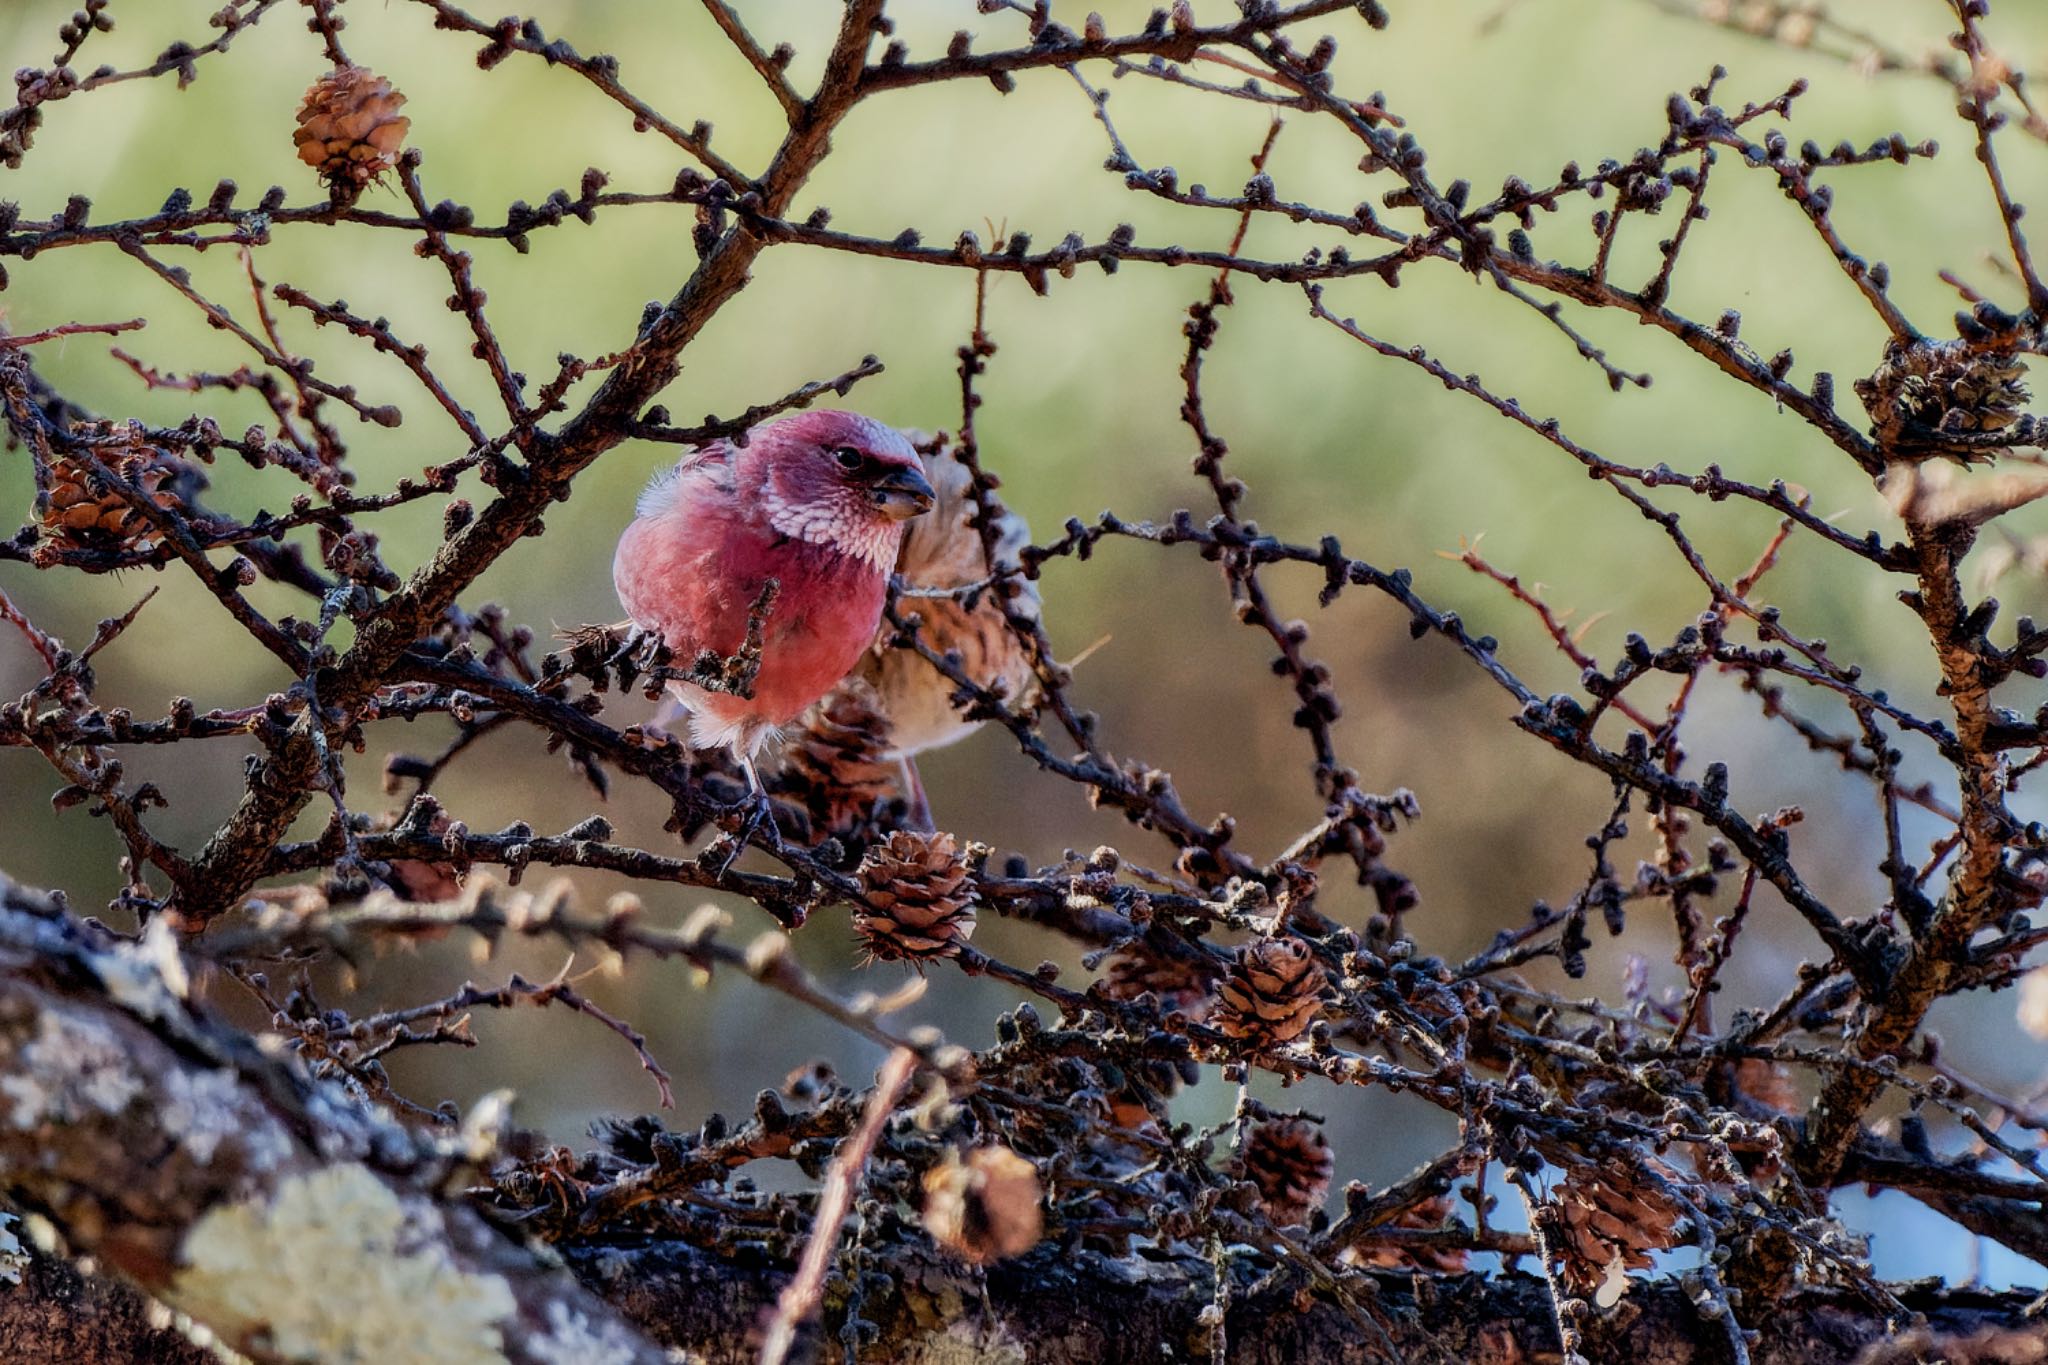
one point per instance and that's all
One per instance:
(56, 1314)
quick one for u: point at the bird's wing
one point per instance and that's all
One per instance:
(707, 467)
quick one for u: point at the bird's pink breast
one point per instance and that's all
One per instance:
(692, 572)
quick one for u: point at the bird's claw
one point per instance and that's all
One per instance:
(756, 814)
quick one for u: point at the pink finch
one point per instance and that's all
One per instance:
(816, 502)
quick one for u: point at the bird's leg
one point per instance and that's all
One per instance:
(764, 809)
(759, 816)
(919, 814)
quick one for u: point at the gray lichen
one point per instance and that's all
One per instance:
(72, 1068)
(203, 1109)
(337, 1267)
(573, 1339)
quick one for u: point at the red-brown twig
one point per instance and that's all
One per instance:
(46, 649)
(1553, 625)
(799, 1298)
(71, 329)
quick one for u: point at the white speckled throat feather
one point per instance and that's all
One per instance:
(845, 524)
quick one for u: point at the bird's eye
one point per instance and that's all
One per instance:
(849, 459)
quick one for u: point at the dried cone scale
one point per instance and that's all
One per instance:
(919, 905)
(350, 129)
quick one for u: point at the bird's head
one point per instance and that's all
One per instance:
(838, 478)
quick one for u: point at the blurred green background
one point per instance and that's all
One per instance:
(1080, 416)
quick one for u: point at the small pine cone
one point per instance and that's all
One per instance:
(1926, 391)
(835, 765)
(350, 129)
(78, 518)
(1289, 1162)
(1179, 981)
(1613, 1218)
(1271, 993)
(984, 1208)
(919, 905)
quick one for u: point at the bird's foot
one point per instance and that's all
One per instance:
(756, 815)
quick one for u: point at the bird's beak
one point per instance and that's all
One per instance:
(902, 494)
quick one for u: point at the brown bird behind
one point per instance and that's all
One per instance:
(942, 549)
